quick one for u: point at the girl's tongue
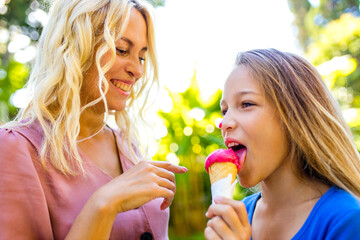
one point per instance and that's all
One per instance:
(241, 155)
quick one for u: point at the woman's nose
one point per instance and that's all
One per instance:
(135, 68)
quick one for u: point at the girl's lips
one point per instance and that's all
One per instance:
(239, 149)
(231, 141)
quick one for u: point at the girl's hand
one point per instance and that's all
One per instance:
(142, 183)
(229, 220)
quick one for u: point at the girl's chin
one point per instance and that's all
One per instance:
(245, 183)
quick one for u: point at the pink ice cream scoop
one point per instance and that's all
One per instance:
(222, 162)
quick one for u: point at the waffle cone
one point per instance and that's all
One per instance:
(221, 170)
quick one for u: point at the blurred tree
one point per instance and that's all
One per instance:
(191, 136)
(300, 9)
(21, 22)
(337, 55)
(330, 36)
(157, 3)
(310, 18)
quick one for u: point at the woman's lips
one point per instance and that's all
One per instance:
(126, 87)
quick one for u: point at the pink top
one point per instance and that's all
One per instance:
(39, 204)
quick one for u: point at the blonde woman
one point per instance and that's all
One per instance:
(65, 174)
(298, 148)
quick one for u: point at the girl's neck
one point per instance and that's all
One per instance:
(285, 187)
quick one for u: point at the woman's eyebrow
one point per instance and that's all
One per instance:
(131, 43)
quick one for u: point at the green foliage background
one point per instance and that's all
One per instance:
(330, 32)
(327, 33)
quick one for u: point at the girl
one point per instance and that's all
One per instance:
(299, 149)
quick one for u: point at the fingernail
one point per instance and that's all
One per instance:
(218, 198)
(220, 125)
(185, 169)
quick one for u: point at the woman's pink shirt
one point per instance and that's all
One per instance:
(43, 204)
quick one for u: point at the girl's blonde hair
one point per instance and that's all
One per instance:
(321, 142)
(79, 31)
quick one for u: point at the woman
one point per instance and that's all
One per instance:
(65, 173)
(298, 147)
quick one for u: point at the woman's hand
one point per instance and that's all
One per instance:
(229, 220)
(142, 183)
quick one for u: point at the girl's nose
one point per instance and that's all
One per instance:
(227, 124)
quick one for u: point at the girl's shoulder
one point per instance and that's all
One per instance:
(336, 206)
(338, 200)
(251, 198)
(250, 202)
(336, 215)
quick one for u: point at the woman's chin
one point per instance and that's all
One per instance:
(117, 106)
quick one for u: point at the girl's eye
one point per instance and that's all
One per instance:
(246, 104)
(142, 60)
(122, 52)
(223, 112)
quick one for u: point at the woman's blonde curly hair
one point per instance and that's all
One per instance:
(79, 31)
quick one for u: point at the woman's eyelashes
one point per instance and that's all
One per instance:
(125, 53)
(122, 52)
(142, 60)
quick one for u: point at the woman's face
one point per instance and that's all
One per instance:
(251, 120)
(127, 68)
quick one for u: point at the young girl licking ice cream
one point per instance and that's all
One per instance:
(298, 148)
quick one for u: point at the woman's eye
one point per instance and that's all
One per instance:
(122, 52)
(223, 112)
(142, 60)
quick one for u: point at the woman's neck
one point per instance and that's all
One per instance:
(90, 123)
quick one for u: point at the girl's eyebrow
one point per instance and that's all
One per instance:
(242, 93)
(246, 92)
(131, 43)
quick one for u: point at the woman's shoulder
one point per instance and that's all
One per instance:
(19, 148)
(128, 145)
(24, 131)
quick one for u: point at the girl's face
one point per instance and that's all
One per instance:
(127, 68)
(251, 120)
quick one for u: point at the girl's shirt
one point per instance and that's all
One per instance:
(43, 204)
(336, 215)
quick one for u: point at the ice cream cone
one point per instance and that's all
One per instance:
(221, 170)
